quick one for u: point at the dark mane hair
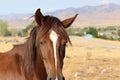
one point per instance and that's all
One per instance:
(30, 52)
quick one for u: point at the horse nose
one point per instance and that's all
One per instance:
(50, 78)
(61, 78)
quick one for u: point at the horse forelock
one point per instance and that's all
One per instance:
(52, 23)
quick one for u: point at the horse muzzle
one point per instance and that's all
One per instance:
(56, 78)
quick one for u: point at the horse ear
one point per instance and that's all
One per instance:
(39, 17)
(69, 21)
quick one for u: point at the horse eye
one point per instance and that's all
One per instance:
(64, 44)
(42, 42)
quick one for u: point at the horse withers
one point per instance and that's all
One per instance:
(41, 56)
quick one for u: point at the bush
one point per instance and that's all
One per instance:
(103, 37)
(7, 33)
(118, 32)
(20, 33)
(24, 32)
(4, 29)
(75, 31)
(92, 31)
(70, 31)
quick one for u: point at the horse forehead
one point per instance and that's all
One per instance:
(53, 35)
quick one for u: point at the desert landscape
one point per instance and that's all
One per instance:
(86, 59)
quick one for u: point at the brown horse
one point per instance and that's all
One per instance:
(41, 56)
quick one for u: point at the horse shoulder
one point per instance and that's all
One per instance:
(11, 65)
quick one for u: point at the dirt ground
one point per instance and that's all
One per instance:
(86, 59)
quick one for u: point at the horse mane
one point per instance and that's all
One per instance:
(30, 54)
(33, 40)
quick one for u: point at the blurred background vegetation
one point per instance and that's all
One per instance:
(5, 31)
(108, 33)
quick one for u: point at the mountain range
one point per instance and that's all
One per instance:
(101, 16)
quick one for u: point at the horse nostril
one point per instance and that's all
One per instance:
(63, 78)
(50, 79)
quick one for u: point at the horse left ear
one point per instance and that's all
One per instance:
(39, 17)
(69, 21)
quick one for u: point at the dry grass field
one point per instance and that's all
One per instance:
(86, 59)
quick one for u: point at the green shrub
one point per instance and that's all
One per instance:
(93, 31)
(24, 32)
(4, 29)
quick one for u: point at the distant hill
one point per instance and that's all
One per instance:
(102, 15)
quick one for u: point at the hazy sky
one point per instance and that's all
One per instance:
(29, 6)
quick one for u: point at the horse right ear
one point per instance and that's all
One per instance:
(69, 21)
(39, 17)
